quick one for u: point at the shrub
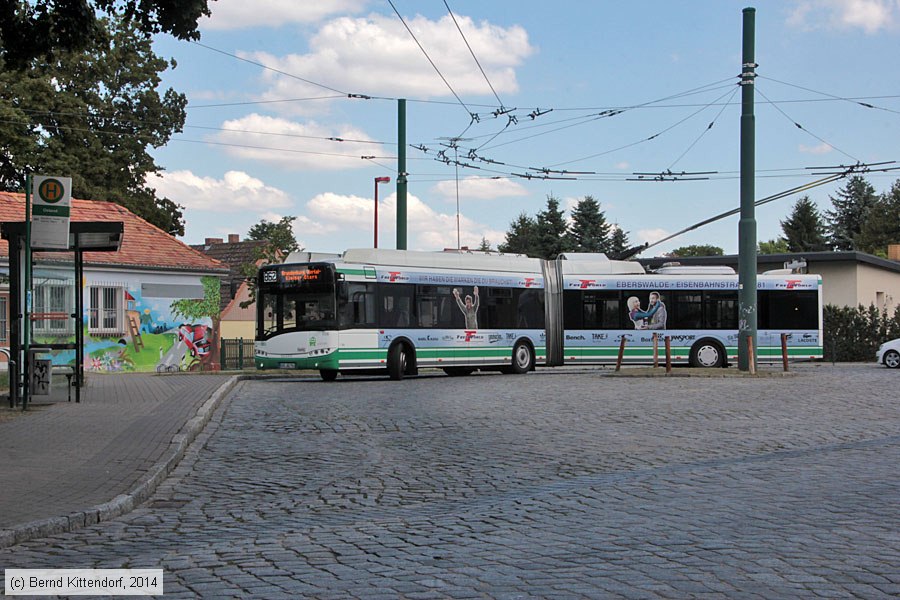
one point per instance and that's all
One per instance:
(853, 334)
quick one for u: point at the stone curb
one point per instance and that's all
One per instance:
(699, 373)
(125, 503)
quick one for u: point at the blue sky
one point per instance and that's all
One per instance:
(633, 88)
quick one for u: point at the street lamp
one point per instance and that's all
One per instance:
(377, 181)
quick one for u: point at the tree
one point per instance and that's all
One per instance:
(850, 211)
(281, 242)
(485, 245)
(618, 241)
(92, 115)
(589, 231)
(521, 237)
(774, 246)
(551, 230)
(696, 250)
(804, 230)
(882, 225)
(280, 235)
(41, 30)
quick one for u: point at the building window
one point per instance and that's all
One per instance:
(52, 309)
(106, 315)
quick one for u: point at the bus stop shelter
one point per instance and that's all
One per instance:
(84, 236)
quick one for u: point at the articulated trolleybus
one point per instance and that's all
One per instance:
(396, 311)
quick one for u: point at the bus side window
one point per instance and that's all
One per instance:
(788, 309)
(687, 310)
(396, 306)
(530, 309)
(357, 305)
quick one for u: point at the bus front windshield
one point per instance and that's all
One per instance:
(297, 307)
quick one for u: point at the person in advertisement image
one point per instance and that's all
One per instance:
(469, 308)
(646, 319)
(658, 307)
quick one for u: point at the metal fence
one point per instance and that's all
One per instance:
(237, 354)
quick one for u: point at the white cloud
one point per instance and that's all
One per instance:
(648, 236)
(376, 55)
(480, 188)
(296, 146)
(241, 14)
(822, 148)
(427, 229)
(569, 203)
(624, 165)
(234, 192)
(868, 15)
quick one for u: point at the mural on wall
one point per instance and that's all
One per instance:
(158, 334)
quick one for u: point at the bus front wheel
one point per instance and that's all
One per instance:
(707, 354)
(397, 361)
(328, 374)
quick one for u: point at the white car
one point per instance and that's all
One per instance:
(889, 354)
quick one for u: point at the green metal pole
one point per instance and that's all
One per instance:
(26, 313)
(747, 224)
(401, 174)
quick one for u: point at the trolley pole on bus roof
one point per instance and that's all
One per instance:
(401, 174)
(747, 225)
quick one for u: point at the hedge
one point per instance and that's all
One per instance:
(854, 334)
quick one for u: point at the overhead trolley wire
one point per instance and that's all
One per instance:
(438, 71)
(124, 122)
(705, 131)
(834, 97)
(652, 137)
(804, 129)
(279, 71)
(472, 52)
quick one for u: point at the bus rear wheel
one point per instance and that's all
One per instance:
(707, 354)
(397, 361)
(328, 374)
(522, 359)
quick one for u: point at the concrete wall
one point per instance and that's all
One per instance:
(852, 284)
(879, 287)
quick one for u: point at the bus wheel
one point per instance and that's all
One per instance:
(458, 371)
(522, 359)
(328, 374)
(397, 361)
(707, 354)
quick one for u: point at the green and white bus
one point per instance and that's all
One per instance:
(396, 311)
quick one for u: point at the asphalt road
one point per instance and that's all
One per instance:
(555, 484)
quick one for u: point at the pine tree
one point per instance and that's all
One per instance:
(882, 225)
(485, 245)
(618, 241)
(804, 230)
(850, 208)
(521, 237)
(551, 230)
(589, 231)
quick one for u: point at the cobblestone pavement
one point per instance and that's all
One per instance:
(550, 485)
